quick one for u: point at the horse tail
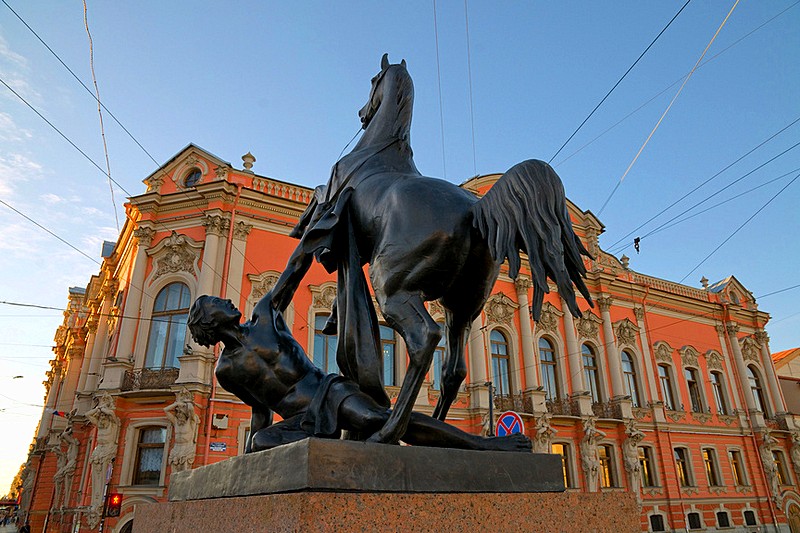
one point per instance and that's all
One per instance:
(527, 210)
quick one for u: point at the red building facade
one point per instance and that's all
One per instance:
(662, 389)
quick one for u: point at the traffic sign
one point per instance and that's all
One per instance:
(509, 423)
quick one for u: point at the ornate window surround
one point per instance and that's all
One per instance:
(602, 367)
(184, 169)
(689, 358)
(639, 372)
(322, 298)
(261, 284)
(131, 446)
(560, 357)
(515, 361)
(572, 459)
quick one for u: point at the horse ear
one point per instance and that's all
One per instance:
(403, 63)
(385, 62)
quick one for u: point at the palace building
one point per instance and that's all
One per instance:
(661, 389)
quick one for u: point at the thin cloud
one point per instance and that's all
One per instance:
(7, 54)
(10, 132)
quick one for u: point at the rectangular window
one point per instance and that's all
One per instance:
(606, 455)
(749, 518)
(657, 522)
(324, 347)
(646, 466)
(719, 393)
(436, 365)
(566, 461)
(388, 344)
(723, 520)
(710, 462)
(666, 387)
(694, 521)
(780, 467)
(149, 456)
(694, 390)
(682, 466)
(737, 468)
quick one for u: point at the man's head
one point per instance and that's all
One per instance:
(209, 317)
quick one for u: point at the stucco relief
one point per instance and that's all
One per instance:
(750, 350)
(768, 463)
(663, 351)
(261, 284)
(588, 326)
(221, 172)
(103, 417)
(626, 333)
(323, 296)
(500, 309)
(184, 422)
(549, 319)
(630, 455)
(144, 235)
(590, 461)
(713, 360)
(795, 451)
(545, 432)
(689, 356)
(176, 253)
(154, 183)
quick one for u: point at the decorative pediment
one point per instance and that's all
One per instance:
(261, 284)
(662, 351)
(550, 317)
(500, 309)
(588, 325)
(323, 296)
(176, 253)
(713, 360)
(750, 349)
(626, 332)
(689, 356)
(183, 165)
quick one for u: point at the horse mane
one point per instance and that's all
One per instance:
(404, 94)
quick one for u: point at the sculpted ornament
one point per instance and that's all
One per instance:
(795, 451)
(630, 454)
(27, 477)
(184, 422)
(261, 284)
(144, 235)
(689, 356)
(626, 333)
(176, 253)
(324, 297)
(587, 325)
(543, 438)
(500, 309)
(107, 423)
(768, 462)
(713, 360)
(550, 318)
(590, 460)
(750, 351)
(64, 474)
(663, 351)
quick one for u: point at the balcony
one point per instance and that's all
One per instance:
(563, 407)
(149, 379)
(607, 410)
(513, 402)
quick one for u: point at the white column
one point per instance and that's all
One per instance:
(778, 404)
(130, 315)
(532, 381)
(573, 352)
(477, 353)
(732, 329)
(91, 325)
(236, 266)
(614, 363)
(731, 379)
(209, 271)
(100, 340)
(644, 342)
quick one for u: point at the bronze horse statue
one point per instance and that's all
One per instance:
(424, 239)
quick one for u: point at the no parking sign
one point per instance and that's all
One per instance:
(509, 423)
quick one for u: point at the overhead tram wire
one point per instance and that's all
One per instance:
(665, 89)
(153, 159)
(664, 114)
(620, 80)
(707, 198)
(439, 78)
(673, 204)
(100, 111)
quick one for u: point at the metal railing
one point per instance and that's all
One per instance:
(149, 379)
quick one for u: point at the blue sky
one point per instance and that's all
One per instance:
(284, 80)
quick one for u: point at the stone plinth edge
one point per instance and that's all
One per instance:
(347, 466)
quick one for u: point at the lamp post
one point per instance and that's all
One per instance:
(491, 407)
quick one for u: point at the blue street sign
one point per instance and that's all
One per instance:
(509, 423)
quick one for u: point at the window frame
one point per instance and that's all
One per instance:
(137, 455)
(648, 470)
(718, 386)
(662, 517)
(552, 367)
(753, 514)
(567, 462)
(631, 379)
(188, 174)
(591, 375)
(501, 357)
(711, 466)
(699, 516)
(684, 472)
(439, 353)
(157, 317)
(691, 377)
(781, 469)
(727, 515)
(318, 336)
(608, 466)
(738, 469)
(667, 385)
(757, 388)
(391, 369)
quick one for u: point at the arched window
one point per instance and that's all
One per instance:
(665, 380)
(755, 387)
(590, 372)
(168, 327)
(324, 346)
(192, 178)
(436, 365)
(629, 373)
(501, 375)
(547, 358)
(388, 344)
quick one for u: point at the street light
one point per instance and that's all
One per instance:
(491, 407)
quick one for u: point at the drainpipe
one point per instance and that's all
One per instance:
(222, 292)
(727, 318)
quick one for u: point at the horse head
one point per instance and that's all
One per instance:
(392, 85)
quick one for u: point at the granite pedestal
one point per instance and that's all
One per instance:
(329, 485)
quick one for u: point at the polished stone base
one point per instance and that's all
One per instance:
(348, 466)
(355, 511)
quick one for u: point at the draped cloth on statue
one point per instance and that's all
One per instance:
(326, 231)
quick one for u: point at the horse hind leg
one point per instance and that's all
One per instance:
(454, 368)
(406, 313)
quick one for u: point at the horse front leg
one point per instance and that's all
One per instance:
(454, 367)
(406, 313)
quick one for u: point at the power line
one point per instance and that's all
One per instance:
(620, 80)
(673, 204)
(704, 63)
(664, 114)
(439, 78)
(471, 104)
(707, 198)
